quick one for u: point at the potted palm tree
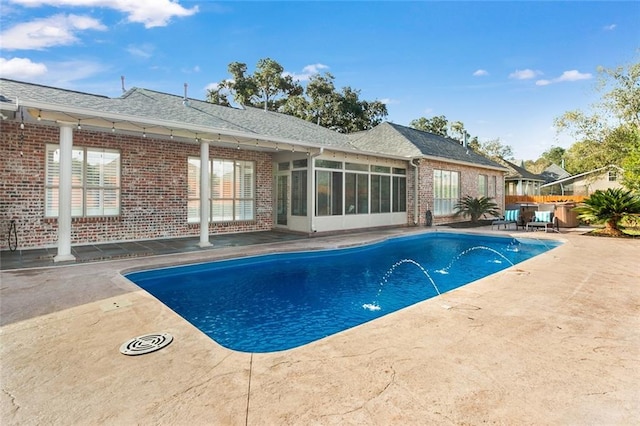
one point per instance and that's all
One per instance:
(609, 207)
(475, 208)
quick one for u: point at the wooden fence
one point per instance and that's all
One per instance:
(513, 199)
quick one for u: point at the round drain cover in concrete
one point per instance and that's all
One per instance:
(145, 344)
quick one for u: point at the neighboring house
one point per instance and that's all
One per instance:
(553, 173)
(585, 183)
(79, 168)
(520, 181)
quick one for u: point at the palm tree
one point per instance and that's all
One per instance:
(609, 207)
(476, 207)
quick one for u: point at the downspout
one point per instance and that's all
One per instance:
(312, 183)
(416, 202)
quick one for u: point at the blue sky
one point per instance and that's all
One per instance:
(505, 69)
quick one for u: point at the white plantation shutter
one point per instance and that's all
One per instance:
(95, 182)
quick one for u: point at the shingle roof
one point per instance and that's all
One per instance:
(394, 139)
(143, 103)
(385, 139)
(554, 172)
(517, 172)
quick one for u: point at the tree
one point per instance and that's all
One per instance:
(608, 135)
(631, 165)
(272, 89)
(623, 97)
(343, 111)
(260, 89)
(242, 86)
(554, 155)
(436, 125)
(323, 99)
(476, 207)
(474, 144)
(458, 131)
(270, 81)
(609, 207)
(354, 115)
(495, 149)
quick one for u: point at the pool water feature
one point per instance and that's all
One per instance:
(280, 301)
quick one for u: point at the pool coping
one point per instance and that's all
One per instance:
(552, 340)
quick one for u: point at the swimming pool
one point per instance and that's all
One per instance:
(280, 301)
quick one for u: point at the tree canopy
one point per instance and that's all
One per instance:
(269, 87)
(438, 125)
(610, 134)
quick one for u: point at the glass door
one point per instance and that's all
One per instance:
(282, 195)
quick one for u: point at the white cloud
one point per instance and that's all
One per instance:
(21, 68)
(56, 30)
(61, 74)
(609, 27)
(307, 72)
(144, 51)
(314, 68)
(480, 73)
(572, 75)
(526, 74)
(151, 13)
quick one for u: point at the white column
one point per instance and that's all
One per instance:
(204, 194)
(64, 195)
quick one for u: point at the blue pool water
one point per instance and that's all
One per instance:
(281, 301)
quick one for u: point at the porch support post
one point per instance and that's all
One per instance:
(204, 194)
(64, 195)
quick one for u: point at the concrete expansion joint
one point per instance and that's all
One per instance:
(12, 398)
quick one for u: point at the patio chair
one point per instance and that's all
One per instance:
(545, 218)
(511, 215)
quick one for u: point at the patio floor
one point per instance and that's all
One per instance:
(32, 258)
(552, 340)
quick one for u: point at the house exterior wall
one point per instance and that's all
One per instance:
(589, 184)
(585, 185)
(468, 186)
(153, 188)
(602, 183)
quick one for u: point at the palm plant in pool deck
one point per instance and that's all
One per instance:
(609, 207)
(476, 207)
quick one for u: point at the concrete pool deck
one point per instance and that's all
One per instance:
(552, 340)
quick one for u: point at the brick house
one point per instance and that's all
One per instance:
(79, 168)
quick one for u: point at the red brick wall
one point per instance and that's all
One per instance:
(468, 186)
(154, 188)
